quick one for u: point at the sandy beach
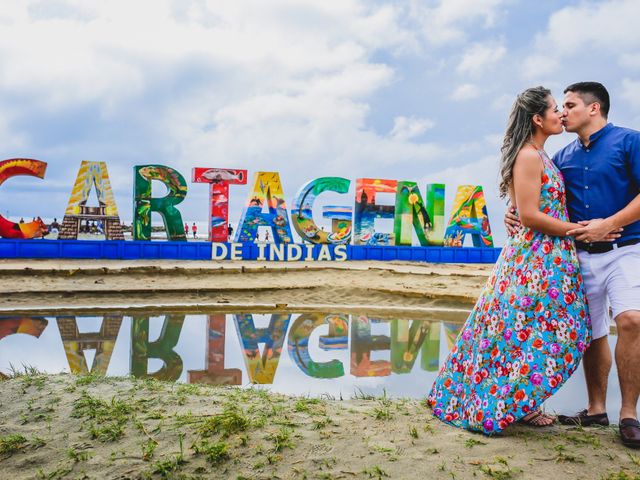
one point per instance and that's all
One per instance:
(66, 426)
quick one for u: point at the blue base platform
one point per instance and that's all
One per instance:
(139, 250)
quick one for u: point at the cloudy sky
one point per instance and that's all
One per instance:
(406, 89)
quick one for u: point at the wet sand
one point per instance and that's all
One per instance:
(46, 285)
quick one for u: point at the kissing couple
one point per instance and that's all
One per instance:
(573, 250)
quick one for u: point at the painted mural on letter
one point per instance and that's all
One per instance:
(412, 214)
(91, 175)
(11, 168)
(219, 180)
(267, 192)
(469, 217)
(302, 213)
(144, 203)
(366, 211)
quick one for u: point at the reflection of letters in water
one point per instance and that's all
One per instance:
(407, 339)
(142, 349)
(33, 326)
(261, 369)
(75, 343)
(216, 374)
(298, 344)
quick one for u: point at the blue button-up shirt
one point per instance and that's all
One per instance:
(602, 178)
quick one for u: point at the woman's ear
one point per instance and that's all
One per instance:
(537, 120)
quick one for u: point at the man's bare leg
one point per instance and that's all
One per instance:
(597, 365)
(628, 361)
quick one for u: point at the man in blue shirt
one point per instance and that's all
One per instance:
(601, 170)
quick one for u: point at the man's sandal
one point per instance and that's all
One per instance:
(582, 418)
(537, 419)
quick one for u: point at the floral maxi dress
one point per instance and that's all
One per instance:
(526, 333)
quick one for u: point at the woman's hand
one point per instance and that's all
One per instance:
(595, 230)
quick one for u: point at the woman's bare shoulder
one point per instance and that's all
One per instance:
(527, 158)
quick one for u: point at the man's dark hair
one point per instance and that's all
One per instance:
(592, 92)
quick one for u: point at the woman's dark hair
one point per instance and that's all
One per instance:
(592, 92)
(520, 129)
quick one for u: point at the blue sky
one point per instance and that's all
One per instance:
(407, 90)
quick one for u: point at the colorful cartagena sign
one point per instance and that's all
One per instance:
(414, 215)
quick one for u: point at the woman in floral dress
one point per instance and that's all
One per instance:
(529, 329)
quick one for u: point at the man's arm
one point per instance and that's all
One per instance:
(595, 230)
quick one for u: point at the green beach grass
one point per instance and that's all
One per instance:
(83, 427)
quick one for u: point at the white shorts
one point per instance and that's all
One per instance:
(612, 276)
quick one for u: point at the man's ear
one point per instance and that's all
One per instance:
(594, 109)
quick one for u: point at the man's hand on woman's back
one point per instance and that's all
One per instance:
(511, 221)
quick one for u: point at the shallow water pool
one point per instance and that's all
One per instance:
(333, 354)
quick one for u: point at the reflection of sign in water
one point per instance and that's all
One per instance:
(216, 374)
(261, 368)
(298, 343)
(163, 348)
(261, 347)
(75, 343)
(33, 326)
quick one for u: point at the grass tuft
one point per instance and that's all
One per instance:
(281, 439)
(9, 444)
(215, 453)
(231, 420)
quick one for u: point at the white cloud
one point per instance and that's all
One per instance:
(405, 128)
(446, 22)
(273, 130)
(466, 91)
(630, 61)
(276, 77)
(118, 48)
(480, 57)
(275, 85)
(503, 102)
(582, 30)
(494, 140)
(9, 140)
(307, 88)
(631, 92)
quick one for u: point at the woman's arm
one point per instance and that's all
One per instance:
(527, 175)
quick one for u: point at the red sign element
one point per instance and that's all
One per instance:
(219, 180)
